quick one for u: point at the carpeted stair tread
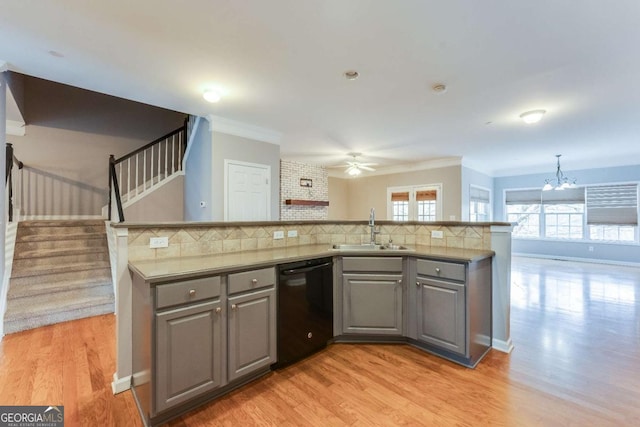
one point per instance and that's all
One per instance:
(48, 309)
(52, 269)
(62, 222)
(56, 252)
(60, 237)
(64, 276)
(47, 287)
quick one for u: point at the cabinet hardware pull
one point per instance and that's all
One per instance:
(192, 292)
(399, 280)
(218, 309)
(233, 306)
(437, 269)
(254, 281)
(418, 284)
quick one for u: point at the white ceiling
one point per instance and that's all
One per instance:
(280, 64)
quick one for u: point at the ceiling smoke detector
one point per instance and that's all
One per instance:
(351, 75)
(439, 88)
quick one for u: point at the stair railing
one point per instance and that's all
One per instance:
(11, 159)
(142, 169)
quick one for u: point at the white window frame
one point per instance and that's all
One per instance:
(413, 205)
(490, 205)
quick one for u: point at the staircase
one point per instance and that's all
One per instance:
(61, 272)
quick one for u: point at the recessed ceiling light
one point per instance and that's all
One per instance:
(211, 95)
(532, 116)
(351, 75)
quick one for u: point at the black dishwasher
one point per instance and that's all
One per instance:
(305, 309)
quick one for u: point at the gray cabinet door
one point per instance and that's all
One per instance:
(441, 314)
(188, 353)
(252, 332)
(372, 304)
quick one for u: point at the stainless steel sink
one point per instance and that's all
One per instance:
(369, 247)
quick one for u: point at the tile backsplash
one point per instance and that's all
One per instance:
(193, 240)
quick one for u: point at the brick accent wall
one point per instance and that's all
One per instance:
(290, 188)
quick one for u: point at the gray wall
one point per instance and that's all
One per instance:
(472, 177)
(198, 180)
(230, 147)
(70, 133)
(623, 253)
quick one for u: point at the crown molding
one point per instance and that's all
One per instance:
(403, 168)
(245, 130)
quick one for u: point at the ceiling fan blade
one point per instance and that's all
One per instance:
(367, 168)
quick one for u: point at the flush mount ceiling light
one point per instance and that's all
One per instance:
(351, 75)
(560, 182)
(211, 95)
(532, 116)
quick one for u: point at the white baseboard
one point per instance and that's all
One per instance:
(503, 346)
(120, 384)
(56, 217)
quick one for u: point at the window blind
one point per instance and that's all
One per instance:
(400, 197)
(425, 195)
(612, 204)
(566, 196)
(479, 195)
(523, 197)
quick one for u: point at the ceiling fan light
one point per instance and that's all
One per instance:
(547, 187)
(354, 171)
(533, 116)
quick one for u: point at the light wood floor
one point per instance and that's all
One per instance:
(576, 329)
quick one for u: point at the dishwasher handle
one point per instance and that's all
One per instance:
(303, 270)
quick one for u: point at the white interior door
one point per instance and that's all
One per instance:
(247, 191)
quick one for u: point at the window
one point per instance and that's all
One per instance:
(594, 213)
(400, 202)
(426, 201)
(564, 221)
(526, 218)
(415, 203)
(479, 204)
(612, 212)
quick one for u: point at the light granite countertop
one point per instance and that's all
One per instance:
(171, 269)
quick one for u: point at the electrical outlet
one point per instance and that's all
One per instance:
(437, 234)
(590, 248)
(278, 234)
(159, 242)
(292, 233)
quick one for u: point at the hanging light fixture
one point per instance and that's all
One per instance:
(560, 182)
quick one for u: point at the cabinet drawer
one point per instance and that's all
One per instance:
(187, 291)
(442, 269)
(372, 264)
(254, 279)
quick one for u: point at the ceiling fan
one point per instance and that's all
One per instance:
(355, 168)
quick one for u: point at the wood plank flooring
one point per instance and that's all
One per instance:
(575, 326)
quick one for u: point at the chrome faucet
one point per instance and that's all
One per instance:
(372, 226)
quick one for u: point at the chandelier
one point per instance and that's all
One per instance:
(560, 182)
